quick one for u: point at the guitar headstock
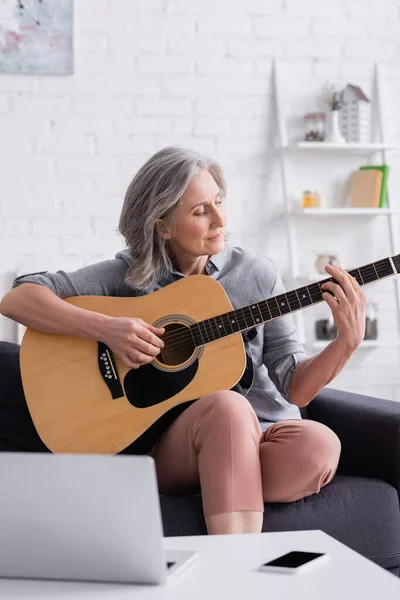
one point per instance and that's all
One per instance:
(396, 260)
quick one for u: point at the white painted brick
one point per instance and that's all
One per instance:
(98, 20)
(91, 42)
(136, 45)
(5, 103)
(97, 243)
(85, 165)
(16, 225)
(226, 7)
(204, 144)
(313, 7)
(164, 65)
(196, 45)
(210, 126)
(143, 125)
(96, 104)
(66, 144)
(225, 66)
(124, 7)
(253, 49)
(105, 225)
(230, 107)
(92, 63)
(136, 84)
(60, 225)
(124, 144)
(385, 392)
(385, 376)
(22, 204)
(32, 104)
(392, 71)
(240, 144)
(326, 69)
(161, 24)
(83, 124)
(226, 25)
(107, 185)
(98, 205)
(247, 126)
(381, 10)
(59, 188)
(78, 83)
(193, 87)
(280, 28)
(128, 167)
(92, 7)
(317, 48)
(18, 83)
(382, 50)
(16, 145)
(183, 126)
(17, 244)
(35, 165)
(15, 124)
(152, 106)
(340, 26)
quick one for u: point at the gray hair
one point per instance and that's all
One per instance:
(154, 194)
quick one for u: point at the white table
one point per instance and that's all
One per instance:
(227, 569)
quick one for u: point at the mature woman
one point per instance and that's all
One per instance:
(241, 451)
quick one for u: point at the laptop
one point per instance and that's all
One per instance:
(83, 517)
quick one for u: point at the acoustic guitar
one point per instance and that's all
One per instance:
(83, 399)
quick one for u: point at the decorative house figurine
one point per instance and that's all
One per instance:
(354, 118)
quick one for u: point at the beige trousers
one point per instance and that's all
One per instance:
(217, 445)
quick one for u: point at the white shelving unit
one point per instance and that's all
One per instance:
(287, 150)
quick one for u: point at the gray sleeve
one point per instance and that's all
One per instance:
(282, 349)
(105, 278)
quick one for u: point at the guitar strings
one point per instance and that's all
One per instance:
(184, 335)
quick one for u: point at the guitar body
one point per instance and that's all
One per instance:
(82, 399)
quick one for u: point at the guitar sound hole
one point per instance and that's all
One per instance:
(178, 345)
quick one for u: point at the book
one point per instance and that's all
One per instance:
(365, 190)
(383, 200)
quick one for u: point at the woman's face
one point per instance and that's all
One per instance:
(200, 219)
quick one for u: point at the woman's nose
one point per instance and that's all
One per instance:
(219, 218)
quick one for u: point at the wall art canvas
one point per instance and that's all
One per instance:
(36, 36)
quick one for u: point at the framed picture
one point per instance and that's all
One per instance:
(36, 36)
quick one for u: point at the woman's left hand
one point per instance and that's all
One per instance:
(347, 306)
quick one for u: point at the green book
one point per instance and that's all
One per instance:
(385, 173)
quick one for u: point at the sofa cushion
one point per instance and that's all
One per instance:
(17, 432)
(359, 512)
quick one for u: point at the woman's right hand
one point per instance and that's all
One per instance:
(133, 340)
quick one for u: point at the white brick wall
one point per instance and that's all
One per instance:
(154, 72)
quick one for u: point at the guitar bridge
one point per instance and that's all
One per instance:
(108, 370)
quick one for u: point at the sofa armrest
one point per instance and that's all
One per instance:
(369, 430)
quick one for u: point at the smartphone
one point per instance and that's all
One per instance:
(295, 562)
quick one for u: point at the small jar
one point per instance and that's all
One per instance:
(311, 199)
(314, 127)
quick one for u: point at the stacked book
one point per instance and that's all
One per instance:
(369, 187)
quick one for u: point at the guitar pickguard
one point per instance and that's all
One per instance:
(148, 385)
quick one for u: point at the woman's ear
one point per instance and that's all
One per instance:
(162, 230)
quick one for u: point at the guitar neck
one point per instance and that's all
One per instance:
(253, 315)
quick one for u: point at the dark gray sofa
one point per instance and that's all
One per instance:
(360, 507)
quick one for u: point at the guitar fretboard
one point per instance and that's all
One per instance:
(256, 314)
